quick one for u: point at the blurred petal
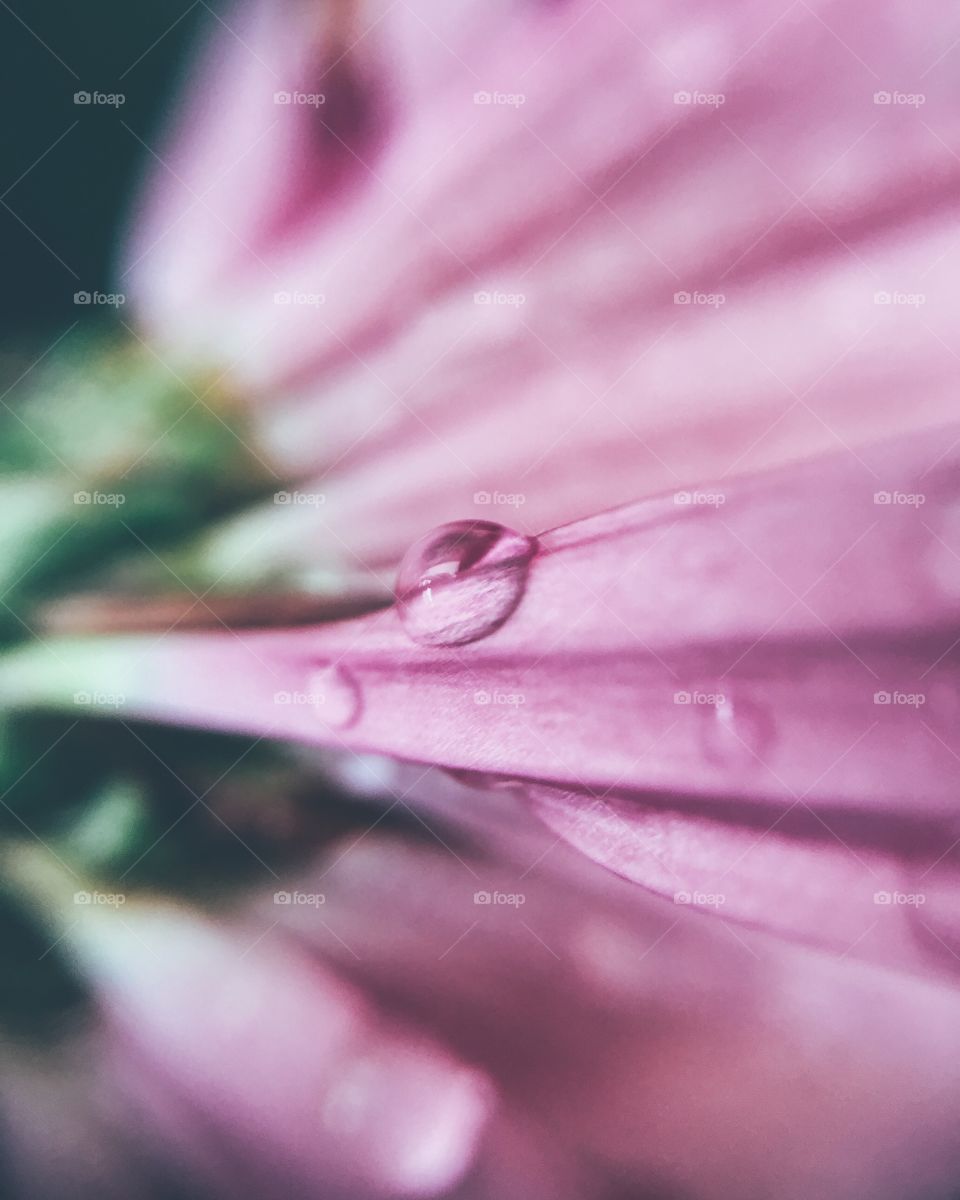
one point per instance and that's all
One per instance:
(298, 1073)
(642, 1037)
(495, 304)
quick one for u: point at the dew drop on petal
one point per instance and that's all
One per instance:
(942, 705)
(735, 731)
(335, 695)
(945, 549)
(462, 581)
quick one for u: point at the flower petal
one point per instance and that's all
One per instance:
(819, 278)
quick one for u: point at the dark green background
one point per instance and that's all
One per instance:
(75, 197)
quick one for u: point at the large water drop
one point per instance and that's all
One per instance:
(462, 581)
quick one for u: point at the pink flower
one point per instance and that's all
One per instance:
(536, 263)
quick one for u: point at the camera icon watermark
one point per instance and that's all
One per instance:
(900, 99)
(700, 99)
(300, 899)
(300, 299)
(900, 299)
(500, 299)
(500, 99)
(100, 899)
(507, 699)
(513, 499)
(698, 698)
(300, 499)
(100, 499)
(100, 99)
(100, 299)
(294, 699)
(300, 99)
(714, 900)
(898, 699)
(900, 899)
(699, 499)
(701, 299)
(100, 699)
(505, 899)
(900, 499)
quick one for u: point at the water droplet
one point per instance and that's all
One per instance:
(335, 695)
(945, 550)
(462, 581)
(942, 700)
(735, 730)
(931, 903)
(941, 514)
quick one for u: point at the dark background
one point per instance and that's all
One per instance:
(63, 201)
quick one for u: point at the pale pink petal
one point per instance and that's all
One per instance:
(295, 1072)
(596, 200)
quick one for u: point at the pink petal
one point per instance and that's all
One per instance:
(300, 1075)
(781, 648)
(596, 200)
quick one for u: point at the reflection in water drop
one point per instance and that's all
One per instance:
(335, 695)
(735, 731)
(931, 903)
(462, 581)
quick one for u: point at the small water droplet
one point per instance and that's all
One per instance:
(735, 730)
(335, 695)
(945, 550)
(931, 903)
(941, 515)
(462, 581)
(942, 701)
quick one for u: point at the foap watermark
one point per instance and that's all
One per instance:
(300, 299)
(300, 99)
(100, 899)
(505, 899)
(306, 699)
(900, 99)
(100, 499)
(100, 99)
(697, 698)
(900, 699)
(500, 99)
(700, 899)
(699, 499)
(300, 899)
(100, 299)
(702, 299)
(500, 299)
(900, 499)
(900, 899)
(901, 299)
(506, 699)
(700, 99)
(300, 499)
(513, 499)
(100, 699)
